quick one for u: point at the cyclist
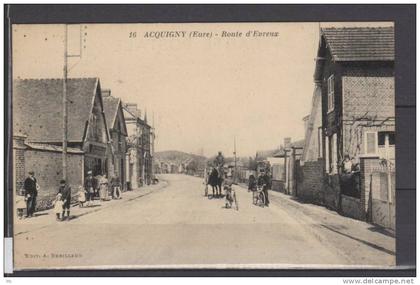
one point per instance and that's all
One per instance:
(264, 181)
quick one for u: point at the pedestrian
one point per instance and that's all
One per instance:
(103, 188)
(31, 191)
(116, 187)
(81, 196)
(90, 186)
(347, 164)
(58, 206)
(252, 183)
(20, 203)
(65, 191)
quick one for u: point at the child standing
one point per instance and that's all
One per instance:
(20, 203)
(81, 196)
(58, 206)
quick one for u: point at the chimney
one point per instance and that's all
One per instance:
(132, 108)
(106, 92)
(287, 142)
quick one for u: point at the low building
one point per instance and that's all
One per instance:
(38, 131)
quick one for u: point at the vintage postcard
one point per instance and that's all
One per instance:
(218, 145)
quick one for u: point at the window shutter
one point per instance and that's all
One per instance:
(371, 142)
(327, 154)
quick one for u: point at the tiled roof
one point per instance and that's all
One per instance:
(360, 44)
(38, 111)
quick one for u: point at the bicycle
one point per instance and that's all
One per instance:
(258, 196)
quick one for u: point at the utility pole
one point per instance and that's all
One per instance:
(65, 75)
(65, 105)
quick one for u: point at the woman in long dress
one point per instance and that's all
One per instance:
(103, 188)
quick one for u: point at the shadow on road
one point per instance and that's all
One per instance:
(39, 214)
(361, 241)
(381, 230)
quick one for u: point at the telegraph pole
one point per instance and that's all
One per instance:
(65, 75)
(65, 105)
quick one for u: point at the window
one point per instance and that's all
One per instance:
(330, 91)
(383, 137)
(386, 145)
(371, 143)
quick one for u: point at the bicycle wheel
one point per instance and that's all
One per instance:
(254, 197)
(262, 199)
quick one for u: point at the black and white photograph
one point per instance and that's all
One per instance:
(204, 145)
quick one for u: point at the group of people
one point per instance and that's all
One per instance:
(263, 181)
(216, 177)
(93, 186)
(100, 186)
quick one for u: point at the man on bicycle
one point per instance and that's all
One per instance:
(265, 181)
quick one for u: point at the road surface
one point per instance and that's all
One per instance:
(176, 226)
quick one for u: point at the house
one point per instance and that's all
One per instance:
(355, 70)
(38, 132)
(118, 134)
(139, 142)
(355, 67)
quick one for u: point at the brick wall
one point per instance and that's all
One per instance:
(19, 161)
(310, 182)
(368, 96)
(47, 166)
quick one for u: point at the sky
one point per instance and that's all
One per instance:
(200, 93)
